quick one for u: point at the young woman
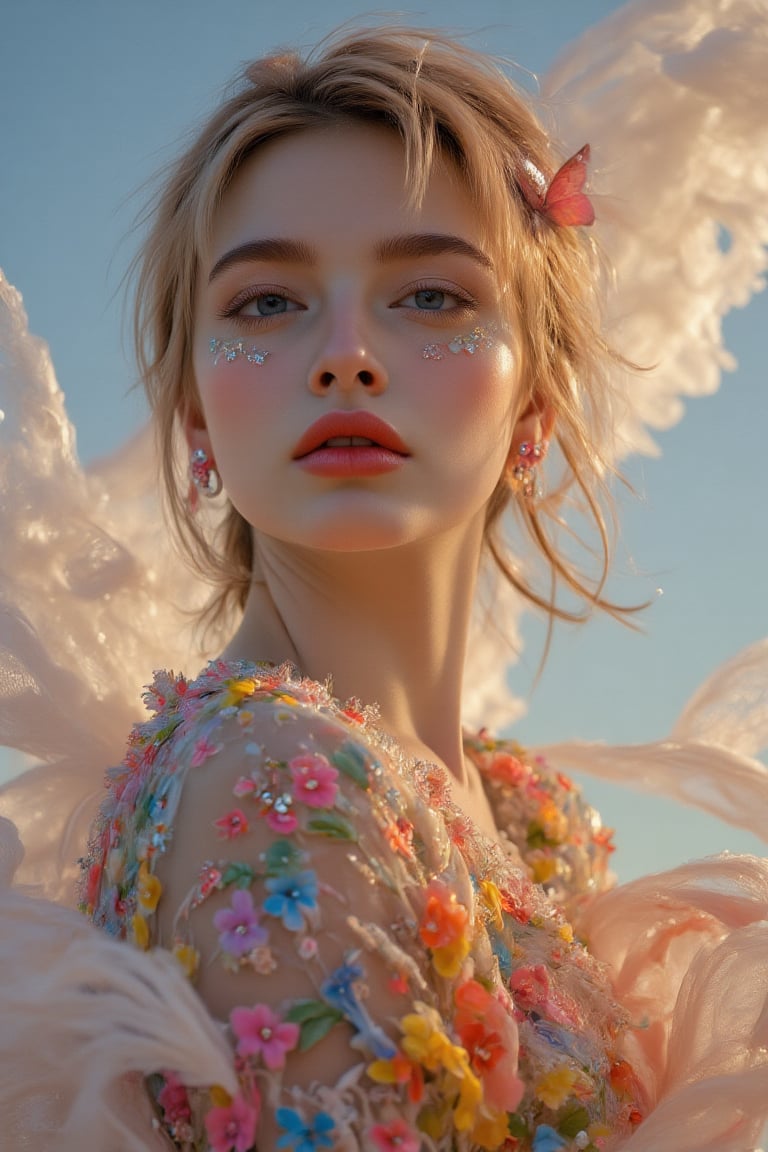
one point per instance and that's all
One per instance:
(369, 305)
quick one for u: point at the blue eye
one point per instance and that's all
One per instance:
(445, 300)
(429, 299)
(270, 304)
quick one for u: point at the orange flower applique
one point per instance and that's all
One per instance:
(444, 930)
(490, 1036)
(507, 769)
(399, 1070)
(399, 834)
(444, 920)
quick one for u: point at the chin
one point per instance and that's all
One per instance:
(364, 535)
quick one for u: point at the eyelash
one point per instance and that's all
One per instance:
(466, 303)
(234, 310)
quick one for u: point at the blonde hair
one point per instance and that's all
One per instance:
(442, 99)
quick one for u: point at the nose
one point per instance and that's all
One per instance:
(347, 363)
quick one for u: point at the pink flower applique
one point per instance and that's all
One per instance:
(314, 780)
(307, 948)
(531, 991)
(261, 1032)
(203, 751)
(173, 1099)
(530, 987)
(209, 881)
(396, 1136)
(238, 926)
(233, 1128)
(277, 809)
(282, 819)
(244, 786)
(234, 823)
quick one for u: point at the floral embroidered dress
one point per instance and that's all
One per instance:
(387, 977)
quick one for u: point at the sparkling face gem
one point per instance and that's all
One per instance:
(478, 340)
(231, 349)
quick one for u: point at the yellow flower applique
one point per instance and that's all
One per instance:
(148, 890)
(140, 932)
(491, 899)
(554, 1087)
(188, 957)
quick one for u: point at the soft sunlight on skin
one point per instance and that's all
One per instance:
(369, 577)
(362, 321)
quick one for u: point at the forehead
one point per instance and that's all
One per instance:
(343, 185)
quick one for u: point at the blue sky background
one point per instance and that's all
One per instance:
(97, 96)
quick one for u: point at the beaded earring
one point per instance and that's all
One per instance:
(523, 472)
(203, 474)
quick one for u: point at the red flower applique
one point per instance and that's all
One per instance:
(232, 825)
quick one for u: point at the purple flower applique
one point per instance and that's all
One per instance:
(238, 926)
(288, 895)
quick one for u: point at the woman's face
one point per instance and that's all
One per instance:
(317, 260)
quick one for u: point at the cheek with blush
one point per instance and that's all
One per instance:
(237, 391)
(473, 399)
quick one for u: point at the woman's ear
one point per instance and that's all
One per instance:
(196, 433)
(534, 426)
(530, 441)
(203, 471)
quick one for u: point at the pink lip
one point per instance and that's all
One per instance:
(358, 424)
(357, 460)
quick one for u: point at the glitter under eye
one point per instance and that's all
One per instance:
(479, 339)
(231, 349)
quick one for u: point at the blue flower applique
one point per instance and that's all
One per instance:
(338, 991)
(545, 1139)
(288, 895)
(304, 1137)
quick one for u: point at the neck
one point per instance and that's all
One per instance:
(388, 627)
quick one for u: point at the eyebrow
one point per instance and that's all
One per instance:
(396, 248)
(429, 244)
(276, 251)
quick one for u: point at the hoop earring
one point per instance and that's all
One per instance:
(203, 475)
(523, 476)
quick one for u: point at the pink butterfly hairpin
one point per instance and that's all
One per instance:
(563, 201)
